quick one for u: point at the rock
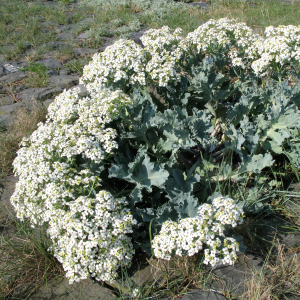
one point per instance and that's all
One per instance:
(1, 71)
(64, 72)
(66, 28)
(136, 36)
(144, 275)
(233, 278)
(62, 290)
(202, 295)
(9, 184)
(64, 81)
(104, 46)
(83, 35)
(201, 5)
(6, 100)
(1, 57)
(83, 90)
(21, 290)
(49, 93)
(46, 103)
(58, 45)
(84, 51)
(11, 78)
(66, 36)
(51, 63)
(7, 113)
(39, 93)
(50, 23)
(10, 68)
(274, 227)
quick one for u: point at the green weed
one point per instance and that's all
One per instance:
(37, 76)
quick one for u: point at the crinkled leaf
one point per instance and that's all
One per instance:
(189, 207)
(178, 184)
(149, 174)
(256, 163)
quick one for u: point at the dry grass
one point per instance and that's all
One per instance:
(279, 278)
(25, 123)
(25, 262)
(166, 279)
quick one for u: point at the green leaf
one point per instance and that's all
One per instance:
(270, 145)
(178, 185)
(149, 174)
(189, 207)
(256, 163)
(166, 212)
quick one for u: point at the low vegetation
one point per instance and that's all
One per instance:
(206, 129)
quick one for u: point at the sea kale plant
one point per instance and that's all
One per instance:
(167, 130)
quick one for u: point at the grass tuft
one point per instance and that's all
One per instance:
(25, 123)
(25, 262)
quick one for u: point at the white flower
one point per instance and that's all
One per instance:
(191, 234)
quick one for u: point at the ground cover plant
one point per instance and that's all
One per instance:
(224, 169)
(137, 164)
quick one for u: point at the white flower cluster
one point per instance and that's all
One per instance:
(162, 46)
(282, 47)
(124, 60)
(190, 234)
(161, 59)
(236, 38)
(89, 234)
(90, 238)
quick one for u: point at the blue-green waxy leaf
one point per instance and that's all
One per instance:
(189, 207)
(178, 185)
(258, 162)
(166, 212)
(119, 171)
(147, 214)
(136, 194)
(164, 146)
(149, 174)
(270, 145)
(279, 130)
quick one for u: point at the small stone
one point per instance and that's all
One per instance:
(64, 81)
(202, 295)
(83, 90)
(7, 113)
(66, 36)
(201, 5)
(6, 100)
(39, 93)
(83, 35)
(10, 68)
(51, 63)
(13, 77)
(84, 51)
